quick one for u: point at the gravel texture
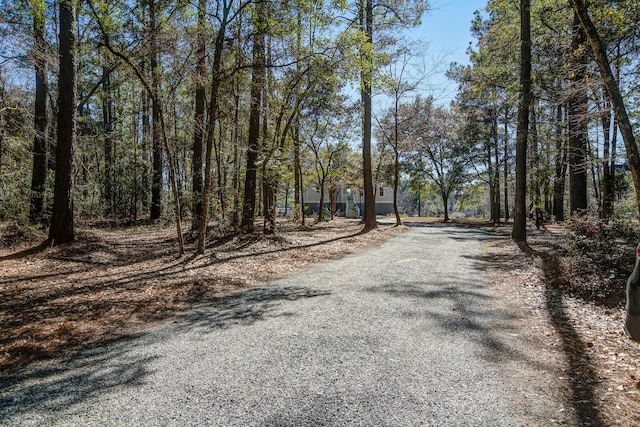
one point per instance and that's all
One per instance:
(401, 334)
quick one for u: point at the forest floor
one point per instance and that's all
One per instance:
(574, 311)
(115, 281)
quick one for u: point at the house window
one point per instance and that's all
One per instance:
(381, 191)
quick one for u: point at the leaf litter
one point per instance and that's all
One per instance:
(115, 282)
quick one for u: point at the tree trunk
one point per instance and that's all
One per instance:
(236, 154)
(302, 210)
(332, 202)
(610, 131)
(156, 179)
(490, 178)
(595, 172)
(107, 125)
(39, 172)
(269, 201)
(492, 196)
(519, 233)
(496, 170)
(614, 93)
(321, 202)
(506, 166)
(146, 134)
(445, 203)
(171, 151)
(2, 125)
(298, 209)
(257, 83)
(366, 21)
(535, 172)
(61, 230)
(560, 168)
(211, 122)
(236, 133)
(578, 108)
(396, 163)
(199, 124)
(396, 181)
(220, 172)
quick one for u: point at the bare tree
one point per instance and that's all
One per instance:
(400, 86)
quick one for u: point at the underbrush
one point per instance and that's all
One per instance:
(13, 234)
(596, 257)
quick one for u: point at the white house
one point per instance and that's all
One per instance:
(349, 200)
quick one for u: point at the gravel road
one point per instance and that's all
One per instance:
(403, 334)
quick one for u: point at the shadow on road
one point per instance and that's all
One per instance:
(126, 362)
(247, 307)
(458, 232)
(583, 378)
(460, 309)
(46, 389)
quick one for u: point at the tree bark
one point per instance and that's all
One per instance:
(236, 154)
(622, 118)
(146, 133)
(496, 179)
(156, 132)
(199, 124)
(2, 126)
(61, 229)
(257, 83)
(445, 203)
(535, 173)
(490, 179)
(321, 202)
(578, 109)
(505, 173)
(366, 20)
(519, 233)
(610, 131)
(396, 162)
(107, 124)
(39, 171)
(560, 168)
(298, 209)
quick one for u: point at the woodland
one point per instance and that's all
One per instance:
(225, 111)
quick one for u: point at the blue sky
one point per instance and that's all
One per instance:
(446, 30)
